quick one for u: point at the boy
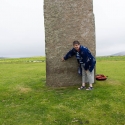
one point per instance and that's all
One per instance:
(86, 61)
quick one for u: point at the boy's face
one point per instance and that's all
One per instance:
(76, 46)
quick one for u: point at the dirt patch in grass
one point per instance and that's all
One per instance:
(23, 89)
(114, 82)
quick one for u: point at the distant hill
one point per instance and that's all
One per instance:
(2, 57)
(119, 54)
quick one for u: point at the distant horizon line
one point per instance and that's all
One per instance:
(43, 55)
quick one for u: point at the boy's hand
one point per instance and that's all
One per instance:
(86, 71)
(63, 59)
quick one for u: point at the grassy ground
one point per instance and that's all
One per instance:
(25, 100)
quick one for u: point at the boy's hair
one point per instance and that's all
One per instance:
(76, 42)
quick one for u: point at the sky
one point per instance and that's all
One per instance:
(110, 26)
(22, 27)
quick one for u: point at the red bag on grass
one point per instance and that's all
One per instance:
(101, 77)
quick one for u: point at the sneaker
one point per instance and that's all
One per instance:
(90, 88)
(82, 87)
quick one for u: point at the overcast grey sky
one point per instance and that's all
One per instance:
(22, 27)
(110, 26)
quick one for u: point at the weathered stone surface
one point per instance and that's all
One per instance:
(66, 21)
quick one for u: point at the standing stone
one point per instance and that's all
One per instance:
(66, 21)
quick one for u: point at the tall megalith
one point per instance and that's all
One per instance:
(66, 21)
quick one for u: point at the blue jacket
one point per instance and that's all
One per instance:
(85, 57)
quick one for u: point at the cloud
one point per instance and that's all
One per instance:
(110, 28)
(22, 28)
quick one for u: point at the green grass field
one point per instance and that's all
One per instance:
(26, 100)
